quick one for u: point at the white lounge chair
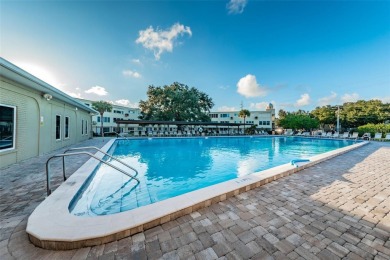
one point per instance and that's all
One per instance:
(387, 137)
(378, 136)
(335, 135)
(345, 135)
(354, 135)
(328, 134)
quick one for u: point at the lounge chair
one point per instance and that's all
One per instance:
(143, 133)
(345, 135)
(387, 137)
(366, 136)
(136, 133)
(354, 135)
(335, 135)
(378, 136)
(328, 134)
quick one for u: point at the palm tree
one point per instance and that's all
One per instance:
(101, 107)
(244, 113)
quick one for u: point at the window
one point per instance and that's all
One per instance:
(82, 127)
(58, 127)
(214, 115)
(66, 127)
(7, 127)
(106, 119)
(98, 119)
(224, 115)
(118, 112)
(86, 127)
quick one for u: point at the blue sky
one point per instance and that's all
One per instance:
(295, 54)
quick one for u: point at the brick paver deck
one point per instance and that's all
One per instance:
(337, 209)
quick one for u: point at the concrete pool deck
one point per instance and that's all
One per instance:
(338, 208)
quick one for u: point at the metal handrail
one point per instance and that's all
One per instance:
(95, 148)
(79, 153)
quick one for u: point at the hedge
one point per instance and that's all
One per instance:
(374, 128)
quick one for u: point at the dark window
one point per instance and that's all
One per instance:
(7, 127)
(86, 127)
(67, 127)
(82, 127)
(58, 127)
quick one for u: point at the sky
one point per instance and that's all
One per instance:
(293, 54)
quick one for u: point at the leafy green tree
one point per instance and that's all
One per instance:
(282, 114)
(326, 115)
(244, 113)
(101, 107)
(176, 102)
(354, 114)
(298, 121)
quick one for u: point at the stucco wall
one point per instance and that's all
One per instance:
(33, 135)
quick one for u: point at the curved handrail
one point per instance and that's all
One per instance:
(95, 148)
(79, 153)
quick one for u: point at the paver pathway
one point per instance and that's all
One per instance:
(337, 209)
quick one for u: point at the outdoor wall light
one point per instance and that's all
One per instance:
(47, 96)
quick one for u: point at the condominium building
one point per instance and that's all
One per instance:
(109, 118)
(262, 119)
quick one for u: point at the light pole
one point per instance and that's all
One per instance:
(338, 119)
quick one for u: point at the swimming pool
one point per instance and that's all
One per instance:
(169, 167)
(53, 226)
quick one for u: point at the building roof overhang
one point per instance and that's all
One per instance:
(152, 122)
(14, 73)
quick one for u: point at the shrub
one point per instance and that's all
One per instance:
(374, 128)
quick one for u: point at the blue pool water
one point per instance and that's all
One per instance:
(173, 166)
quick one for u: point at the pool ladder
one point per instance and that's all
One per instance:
(48, 189)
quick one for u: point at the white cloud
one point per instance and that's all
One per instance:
(350, 97)
(160, 41)
(100, 91)
(248, 87)
(227, 109)
(126, 103)
(136, 61)
(303, 101)
(130, 73)
(236, 6)
(259, 106)
(328, 99)
(73, 94)
(383, 99)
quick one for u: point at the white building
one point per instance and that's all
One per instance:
(35, 117)
(263, 119)
(109, 118)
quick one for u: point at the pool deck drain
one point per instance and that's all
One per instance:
(338, 207)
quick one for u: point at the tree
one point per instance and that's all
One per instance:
(354, 114)
(282, 114)
(244, 113)
(101, 107)
(176, 102)
(326, 115)
(298, 121)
